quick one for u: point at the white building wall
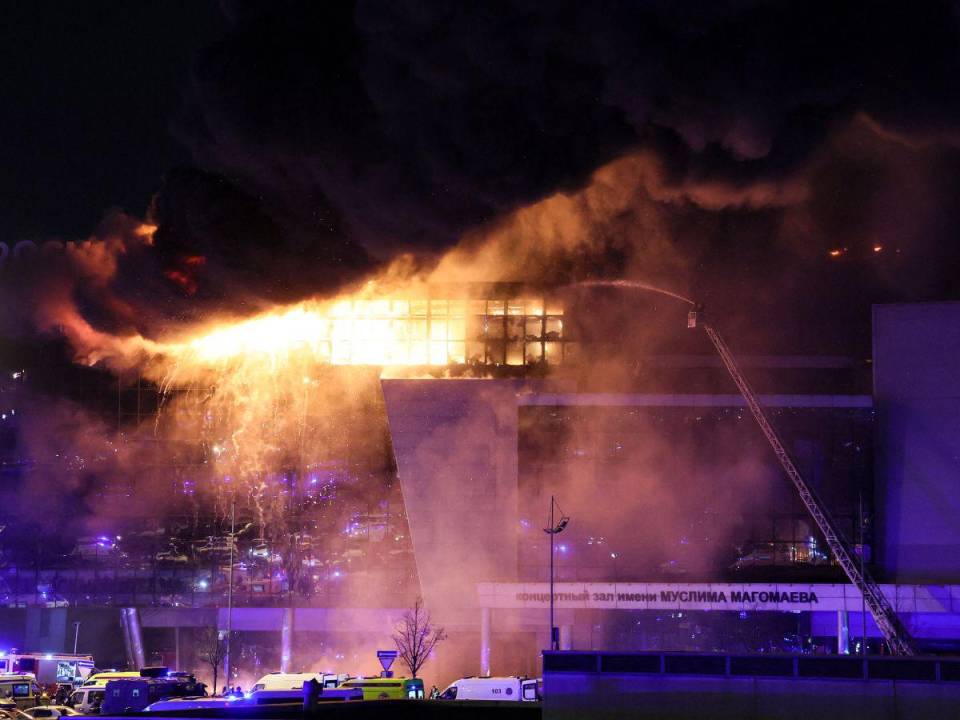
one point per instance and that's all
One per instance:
(455, 443)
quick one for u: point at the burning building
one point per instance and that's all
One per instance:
(680, 489)
(431, 478)
(286, 392)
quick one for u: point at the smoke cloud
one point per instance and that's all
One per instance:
(411, 124)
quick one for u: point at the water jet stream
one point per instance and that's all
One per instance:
(633, 285)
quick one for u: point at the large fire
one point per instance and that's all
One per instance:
(270, 392)
(384, 332)
(271, 395)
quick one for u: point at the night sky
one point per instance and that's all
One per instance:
(88, 91)
(295, 146)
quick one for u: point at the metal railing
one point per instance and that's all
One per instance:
(187, 587)
(913, 669)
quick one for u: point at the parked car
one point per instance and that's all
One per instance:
(98, 547)
(171, 555)
(15, 714)
(51, 711)
(216, 544)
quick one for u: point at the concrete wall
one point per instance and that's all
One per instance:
(693, 686)
(52, 630)
(596, 697)
(455, 443)
(916, 357)
(367, 620)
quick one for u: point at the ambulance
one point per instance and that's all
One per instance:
(510, 689)
(21, 689)
(386, 688)
(295, 681)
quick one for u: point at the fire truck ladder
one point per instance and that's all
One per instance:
(893, 630)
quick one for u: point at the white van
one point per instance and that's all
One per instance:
(295, 681)
(86, 698)
(511, 689)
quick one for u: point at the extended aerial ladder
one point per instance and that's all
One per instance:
(884, 615)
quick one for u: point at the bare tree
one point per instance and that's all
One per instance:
(211, 649)
(416, 636)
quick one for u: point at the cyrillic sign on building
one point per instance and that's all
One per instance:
(714, 596)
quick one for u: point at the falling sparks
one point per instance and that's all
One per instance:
(272, 397)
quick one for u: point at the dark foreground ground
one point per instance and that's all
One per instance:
(357, 710)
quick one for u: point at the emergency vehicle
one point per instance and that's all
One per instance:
(48, 668)
(512, 689)
(21, 689)
(386, 688)
(295, 681)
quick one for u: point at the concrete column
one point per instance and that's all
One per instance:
(566, 637)
(843, 632)
(485, 642)
(127, 649)
(133, 637)
(286, 641)
(176, 648)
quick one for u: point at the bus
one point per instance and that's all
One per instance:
(381, 688)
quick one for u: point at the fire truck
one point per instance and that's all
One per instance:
(48, 668)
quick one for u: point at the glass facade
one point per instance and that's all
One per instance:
(82, 528)
(434, 331)
(688, 493)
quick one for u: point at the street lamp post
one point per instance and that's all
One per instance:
(863, 598)
(554, 529)
(233, 523)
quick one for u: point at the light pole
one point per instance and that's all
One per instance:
(76, 636)
(554, 529)
(226, 655)
(863, 598)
